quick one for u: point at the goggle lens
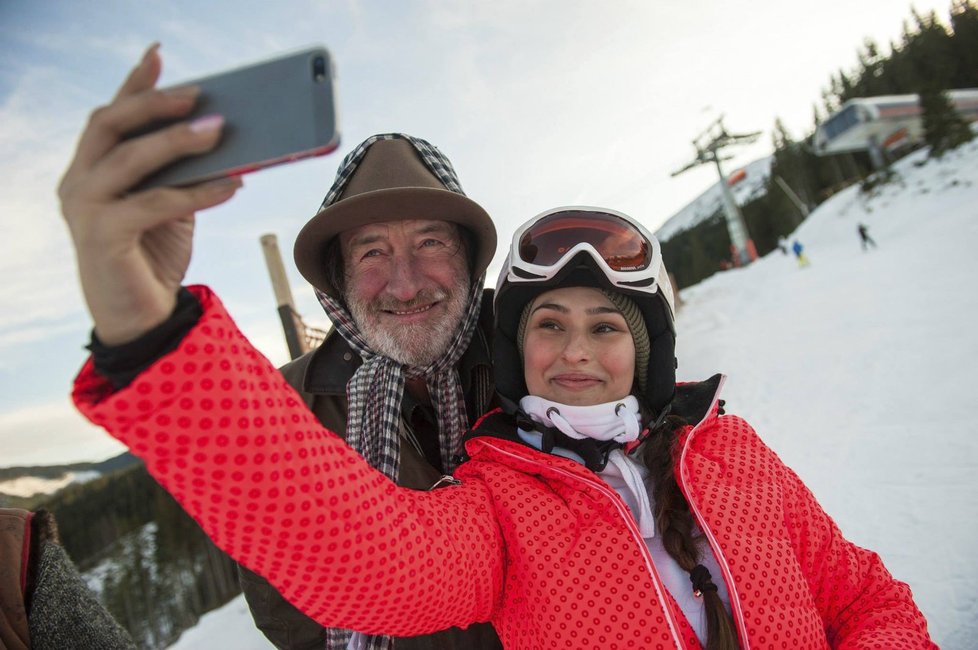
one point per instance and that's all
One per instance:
(618, 242)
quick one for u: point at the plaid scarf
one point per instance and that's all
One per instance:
(375, 391)
(376, 388)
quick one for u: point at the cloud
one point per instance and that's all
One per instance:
(52, 434)
(39, 129)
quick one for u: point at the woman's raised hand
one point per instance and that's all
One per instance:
(133, 247)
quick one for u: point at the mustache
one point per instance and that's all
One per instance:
(423, 297)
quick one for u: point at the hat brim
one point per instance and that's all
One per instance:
(393, 204)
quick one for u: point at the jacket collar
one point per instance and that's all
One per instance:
(519, 455)
(693, 400)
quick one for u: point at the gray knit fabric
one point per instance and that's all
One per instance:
(65, 613)
(636, 325)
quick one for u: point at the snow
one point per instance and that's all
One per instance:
(141, 541)
(27, 486)
(228, 627)
(751, 186)
(855, 370)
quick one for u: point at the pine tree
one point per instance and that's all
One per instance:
(944, 128)
(869, 82)
(935, 57)
(901, 69)
(779, 136)
(829, 102)
(964, 22)
(932, 53)
(845, 90)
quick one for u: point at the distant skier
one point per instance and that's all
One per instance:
(799, 252)
(864, 239)
(783, 245)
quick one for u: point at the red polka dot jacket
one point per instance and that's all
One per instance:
(532, 542)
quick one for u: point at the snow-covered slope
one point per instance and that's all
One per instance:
(856, 370)
(750, 187)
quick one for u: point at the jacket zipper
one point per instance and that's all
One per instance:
(629, 520)
(714, 545)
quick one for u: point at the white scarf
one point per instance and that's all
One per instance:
(619, 421)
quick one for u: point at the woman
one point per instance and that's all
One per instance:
(602, 506)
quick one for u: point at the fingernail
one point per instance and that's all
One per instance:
(149, 52)
(226, 184)
(207, 123)
(183, 91)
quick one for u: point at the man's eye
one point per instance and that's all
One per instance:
(431, 242)
(373, 252)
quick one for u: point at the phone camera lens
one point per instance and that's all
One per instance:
(319, 68)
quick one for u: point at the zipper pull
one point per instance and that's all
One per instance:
(443, 481)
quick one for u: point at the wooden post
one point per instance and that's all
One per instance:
(283, 296)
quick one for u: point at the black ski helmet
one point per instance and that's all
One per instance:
(647, 284)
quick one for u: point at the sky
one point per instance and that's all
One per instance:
(858, 389)
(538, 104)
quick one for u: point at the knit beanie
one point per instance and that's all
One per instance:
(636, 326)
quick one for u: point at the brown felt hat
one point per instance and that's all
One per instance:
(390, 183)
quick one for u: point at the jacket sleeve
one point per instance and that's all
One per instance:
(861, 604)
(220, 429)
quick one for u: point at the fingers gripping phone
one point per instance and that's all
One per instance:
(274, 112)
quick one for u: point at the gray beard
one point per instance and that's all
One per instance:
(418, 344)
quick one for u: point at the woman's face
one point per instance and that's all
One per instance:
(577, 348)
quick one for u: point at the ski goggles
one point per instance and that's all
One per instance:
(625, 251)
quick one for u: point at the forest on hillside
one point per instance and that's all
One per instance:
(146, 559)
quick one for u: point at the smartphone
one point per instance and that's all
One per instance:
(276, 111)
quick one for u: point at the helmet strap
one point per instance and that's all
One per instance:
(646, 432)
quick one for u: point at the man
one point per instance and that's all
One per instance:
(397, 254)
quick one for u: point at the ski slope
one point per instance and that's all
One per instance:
(856, 371)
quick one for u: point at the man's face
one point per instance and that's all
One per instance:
(407, 285)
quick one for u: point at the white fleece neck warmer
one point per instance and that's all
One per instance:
(619, 421)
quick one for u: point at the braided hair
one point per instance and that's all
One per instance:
(674, 521)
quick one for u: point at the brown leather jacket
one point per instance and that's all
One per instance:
(44, 603)
(321, 377)
(14, 551)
